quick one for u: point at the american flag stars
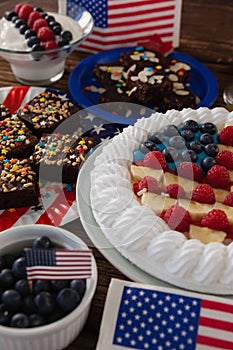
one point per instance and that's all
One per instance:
(149, 320)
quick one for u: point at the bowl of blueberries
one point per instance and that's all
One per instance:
(38, 313)
(36, 41)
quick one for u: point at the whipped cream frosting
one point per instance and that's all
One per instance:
(136, 232)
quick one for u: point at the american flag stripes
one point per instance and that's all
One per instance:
(151, 317)
(59, 264)
(121, 23)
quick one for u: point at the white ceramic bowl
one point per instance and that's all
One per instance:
(45, 67)
(57, 335)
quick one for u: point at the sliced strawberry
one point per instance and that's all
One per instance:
(155, 160)
(40, 22)
(216, 219)
(34, 15)
(218, 176)
(226, 136)
(191, 171)
(45, 34)
(25, 11)
(204, 193)
(177, 218)
(176, 191)
(225, 157)
(136, 187)
(150, 183)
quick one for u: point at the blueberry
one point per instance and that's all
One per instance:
(57, 314)
(177, 142)
(196, 146)
(211, 149)
(35, 52)
(206, 138)
(209, 128)
(63, 42)
(12, 300)
(49, 18)
(29, 33)
(19, 268)
(8, 260)
(14, 19)
(6, 278)
(191, 125)
(22, 287)
(58, 285)
(157, 137)
(45, 303)
(66, 35)
(170, 154)
(79, 286)
(5, 315)
(33, 40)
(41, 285)
(42, 242)
(143, 148)
(187, 134)
(19, 22)
(36, 320)
(28, 304)
(208, 163)
(171, 130)
(9, 15)
(23, 28)
(68, 299)
(38, 9)
(19, 320)
(149, 145)
(189, 156)
(56, 27)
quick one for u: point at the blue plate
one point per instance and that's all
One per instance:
(203, 84)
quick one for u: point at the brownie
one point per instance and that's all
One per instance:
(45, 112)
(16, 140)
(178, 99)
(180, 69)
(108, 74)
(58, 157)
(18, 183)
(4, 112)
(143, 57)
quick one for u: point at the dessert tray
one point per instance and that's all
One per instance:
(139, 235)
(57, 202)
(85, 89)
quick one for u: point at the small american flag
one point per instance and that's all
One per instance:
(152, 317)
(125, 23)
(59, 264)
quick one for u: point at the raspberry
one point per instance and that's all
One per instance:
(45, 34)
(150, 183)
(176, 191)
(190, 171)
(49, 45)
(40, 22)
(216, 219)
(155, 160)
(25, 11)
(218, 176)
(226, 136)
(203, 193)
(229, 200)
(34, 15)
(18, 7)
(177, 218)
(225, 158)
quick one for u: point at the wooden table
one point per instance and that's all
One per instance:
(206, 34)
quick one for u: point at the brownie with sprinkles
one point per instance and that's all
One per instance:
(18, 183)
(108, 74)
(58, 157)
(178, 99)
(16, 140)
(4, 112)
(45, 112)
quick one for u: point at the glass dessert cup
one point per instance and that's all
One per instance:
(46, 67)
